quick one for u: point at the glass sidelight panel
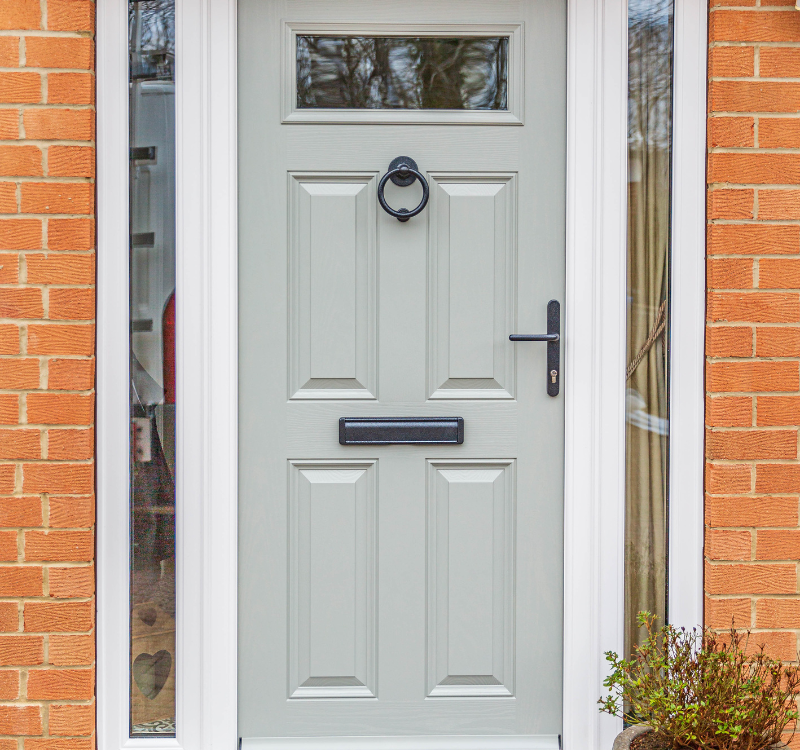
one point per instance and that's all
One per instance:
(152, 367)
(360, 72)
(650, 41)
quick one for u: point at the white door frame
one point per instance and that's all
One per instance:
(207, 362)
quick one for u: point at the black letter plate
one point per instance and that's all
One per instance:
(401, 430)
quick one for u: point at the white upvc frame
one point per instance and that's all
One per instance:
(207, 362)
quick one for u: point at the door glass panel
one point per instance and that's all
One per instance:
(152, 367)
(360, 72)
(648, 336)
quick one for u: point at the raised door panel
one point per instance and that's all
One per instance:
(470, 578)
(472, 286)
(332, 562)
(332, 286)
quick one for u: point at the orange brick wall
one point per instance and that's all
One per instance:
(46, 374)
(753, 334)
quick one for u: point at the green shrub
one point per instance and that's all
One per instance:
(703, 691)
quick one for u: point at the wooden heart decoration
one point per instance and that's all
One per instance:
(150, 672)
(148, 616)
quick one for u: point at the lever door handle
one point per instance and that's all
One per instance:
(553, 339)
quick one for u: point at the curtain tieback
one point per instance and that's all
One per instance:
(659, 325)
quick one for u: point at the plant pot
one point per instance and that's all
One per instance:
(624, 739)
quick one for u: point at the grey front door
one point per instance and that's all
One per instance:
(400, 595)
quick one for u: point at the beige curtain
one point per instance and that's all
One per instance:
(649, 114)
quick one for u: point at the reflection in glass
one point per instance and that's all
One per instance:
(152, 366)
(357, 72)
(647, 415)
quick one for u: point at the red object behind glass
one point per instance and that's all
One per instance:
(168, 339)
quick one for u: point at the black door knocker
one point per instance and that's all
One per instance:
(402, 172)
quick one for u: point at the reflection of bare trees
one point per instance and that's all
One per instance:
(151, 25)
(402, 73)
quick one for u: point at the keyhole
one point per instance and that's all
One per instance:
(553, 376)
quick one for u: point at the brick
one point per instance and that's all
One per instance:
(776, 411)
(21, 303)
(9, 268)
(21, 234)
(724, 479)
(21, 161)
(60, 408)
(779, 62)
(8, 198)
(8, 546)
(60, 684)
(20, 720)
(57, 198)
(753, 239)
(70, 234)
(70, 374)
(9, 124)
(778, 613)
(9, 617)
(59, 546)
(728, 545)
(729, 273)
(9, 684)
(731, 204)
(751, 511)
(776, 132)
(758, 307)
(71, 304)
(61, 339)
(70, 161)
(71, 650)
(760, 168)
(19, 444)
(729, 341)
(21, 581)
(70, 15)
(754, 96)
(729, 411)
(722, 613)
(751, 578)
(70, 445)
(778, 545)
(58, 617)
(20, 511)
(778, 342)
(731, 61)
(9, 408)
(749, 26)
(778, 204)
(19, 374)
(7, 478)
(20, 88)
(32, 743)
(749, 377)
(21, 651)
(70, 88)
(751, 444)
(75, 479)
(20, 14)
(59, 124)
(9, 339)
(71, 583)
(9, 51)
(731, 132)
(777, 478)
(59, 52)
(69, 512)
(781, 646)
(71, 720)
(779, 273)
(60, 269)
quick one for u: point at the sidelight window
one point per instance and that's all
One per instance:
(650, 85)
(151, 27)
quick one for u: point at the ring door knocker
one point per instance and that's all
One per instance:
(402, 172)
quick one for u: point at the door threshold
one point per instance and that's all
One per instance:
(415, 742)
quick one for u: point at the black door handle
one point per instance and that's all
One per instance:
(403, 171)
(553, 339)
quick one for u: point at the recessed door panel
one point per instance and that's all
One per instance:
(333, 262)
(472, 270)
(470, 578)
(332, 580)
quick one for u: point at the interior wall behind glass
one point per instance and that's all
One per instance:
(152, 366)
(650, 42)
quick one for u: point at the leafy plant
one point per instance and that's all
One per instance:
(703, 691)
